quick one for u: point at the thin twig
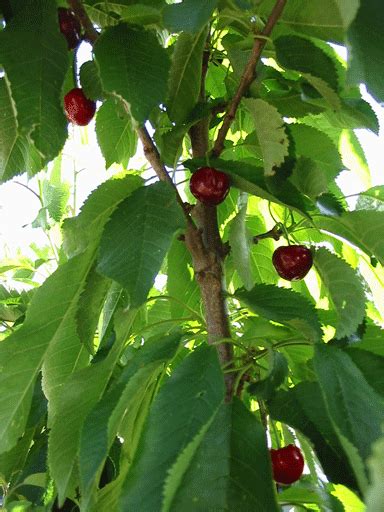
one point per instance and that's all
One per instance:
(152, 154)
(30, 190)
(247, 77)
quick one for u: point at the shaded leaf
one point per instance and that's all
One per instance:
(365, 37)
(301, 54)
(185, 75)
(115, 133)
(90, 81)
(85, 230)
(284, 306)
(345, 291)
(50, 320)
(362, 228)
(225, 467)
(137, 238)
(278, 372)
(270, 132)
(134, 66)
(185, 403)
(303, 408)
(375, 493)
(240, 242)
(122, 401)
(358, 413)
(189, 15)
(40, 114)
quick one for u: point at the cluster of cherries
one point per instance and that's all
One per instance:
(78, 108)
(211, 187)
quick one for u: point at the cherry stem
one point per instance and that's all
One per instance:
(274, 233)
(272, 425)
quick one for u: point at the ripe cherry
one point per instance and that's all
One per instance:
(287, 464)
(79, 109)
(209, 185)
(292, 262)
(69, 27)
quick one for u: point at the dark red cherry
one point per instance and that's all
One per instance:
(69, 26)
(78, 109)
(287, 464)
(292, 262)
(209, 185)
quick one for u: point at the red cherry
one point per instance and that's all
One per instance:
(292, 262)
(69, 26)
(287, 464)
(209, 185)
(78, 109)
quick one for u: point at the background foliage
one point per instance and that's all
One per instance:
(110, 397)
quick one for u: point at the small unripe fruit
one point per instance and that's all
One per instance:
(292, 262)
(79, 109)
(209, 185)
(287, 464)
(69, 27)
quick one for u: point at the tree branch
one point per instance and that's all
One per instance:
(206, 248)
(152, 154)
(247, 77)
(90, 33)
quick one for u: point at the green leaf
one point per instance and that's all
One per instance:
(240, 242)
(261, 253)
(185, 403)
(327, 20)
(371, 199)
(115, 133)
(309, 177)
(185, 75)
(303, 408)
(370, 365)
(365, 38)
(189, 15)
(375, 493)
(345, 291)
(134, 66)
(55, 199)
(137, 238)
(278, 372)
(319, 148)
(324, 90)
(85, 230)
(82, 391)
(137, 14)
(301, 54)
(40, 114)
(15, 157)
(225, 467)
(122, 401)
(89, 309)
(270, 132)
(362, 228)
(358, 412)
(372, 340)
(284, 306)
(49, 325)
(90, 81)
